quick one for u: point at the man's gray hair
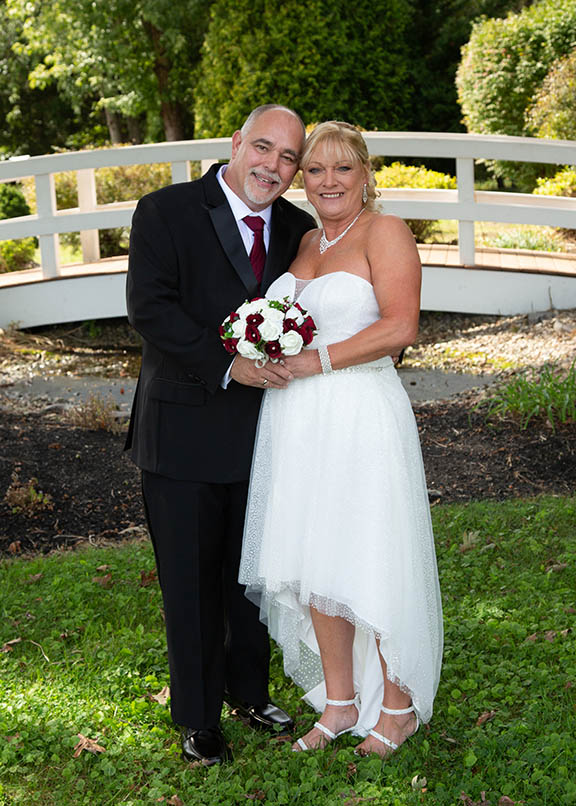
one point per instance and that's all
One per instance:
(255, 114)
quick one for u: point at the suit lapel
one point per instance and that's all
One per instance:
(227, 231)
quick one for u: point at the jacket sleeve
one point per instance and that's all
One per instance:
(154, 305)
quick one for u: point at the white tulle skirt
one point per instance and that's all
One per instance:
(338, 518)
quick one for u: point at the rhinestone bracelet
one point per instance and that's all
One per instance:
(325, 362)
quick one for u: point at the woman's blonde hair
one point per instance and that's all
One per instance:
(344, 139)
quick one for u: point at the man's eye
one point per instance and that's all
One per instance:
(289, 159)
(260, 147)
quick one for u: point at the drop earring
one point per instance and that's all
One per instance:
(364, 194)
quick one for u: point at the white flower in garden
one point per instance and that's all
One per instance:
(291, 342)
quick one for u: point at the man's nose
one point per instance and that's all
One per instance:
(271, 162)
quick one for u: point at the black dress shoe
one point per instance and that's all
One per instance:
(206, 745)
(265, 717)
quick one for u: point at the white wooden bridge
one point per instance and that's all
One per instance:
(459, 278)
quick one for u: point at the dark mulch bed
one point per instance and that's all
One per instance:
(95, 489)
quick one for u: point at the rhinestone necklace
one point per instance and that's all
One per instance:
(326, 244)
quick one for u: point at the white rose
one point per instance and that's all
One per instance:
(238, 328)
(270, 330)
(274, 315)
(249, 307)
(291, 342)
(249, 350)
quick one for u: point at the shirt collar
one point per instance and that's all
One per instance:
(238, 207)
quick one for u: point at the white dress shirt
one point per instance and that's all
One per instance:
(239, 210)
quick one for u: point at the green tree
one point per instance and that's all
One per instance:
(33, 121)
(553, 112)
(505, 62)
(440, 29)
(325, 58)
(133, 59)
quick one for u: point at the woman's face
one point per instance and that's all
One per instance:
(334, 182)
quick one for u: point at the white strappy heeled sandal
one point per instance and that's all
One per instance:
(326, 731)
(393, 712)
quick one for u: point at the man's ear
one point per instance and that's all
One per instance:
(236, 142)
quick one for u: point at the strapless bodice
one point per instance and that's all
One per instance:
(340, 303)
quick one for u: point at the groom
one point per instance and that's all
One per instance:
(194, 258)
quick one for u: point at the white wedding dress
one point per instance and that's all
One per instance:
(338, 513)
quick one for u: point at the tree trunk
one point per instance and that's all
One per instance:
(171, 113)
(114, 123)
(134, 129)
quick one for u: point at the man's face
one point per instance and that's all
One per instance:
(265, 160)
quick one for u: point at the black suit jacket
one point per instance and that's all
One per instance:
(188, 269)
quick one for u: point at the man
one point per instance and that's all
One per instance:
(193, 260)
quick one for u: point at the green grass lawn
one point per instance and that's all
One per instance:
(88, 654)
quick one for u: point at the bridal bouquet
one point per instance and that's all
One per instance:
(267, 329)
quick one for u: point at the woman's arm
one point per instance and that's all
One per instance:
(396, 274)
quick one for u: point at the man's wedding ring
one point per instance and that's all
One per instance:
(264, 381)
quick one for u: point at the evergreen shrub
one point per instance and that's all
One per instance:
(399, 175)
(327, 59)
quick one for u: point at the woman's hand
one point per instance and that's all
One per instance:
(303, 365)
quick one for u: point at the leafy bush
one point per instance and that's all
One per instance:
(113, 184)
(549, 395)
(553, 112)
(16, 255)
(502, 67)
(562, 183)
(25, 496)
(541, 239)
(326, 58)
(399, 175)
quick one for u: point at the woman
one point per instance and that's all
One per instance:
(338, 546)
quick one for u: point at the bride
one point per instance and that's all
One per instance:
(338, 548)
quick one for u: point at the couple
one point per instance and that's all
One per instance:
(338, 550)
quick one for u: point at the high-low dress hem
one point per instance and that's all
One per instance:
(338, 515)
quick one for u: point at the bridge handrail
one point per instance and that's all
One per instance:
(464, 204)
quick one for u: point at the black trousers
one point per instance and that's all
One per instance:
(215, 638)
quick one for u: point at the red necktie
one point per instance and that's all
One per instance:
(258, 251)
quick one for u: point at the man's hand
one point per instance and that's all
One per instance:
(271, 376)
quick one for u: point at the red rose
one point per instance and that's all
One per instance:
(289, 324)
(253, 334)
(234, 316)
(255, 319)
(230, 345)
(300, 308)
(309, 322)
(307, 334)
(273, 349)
(222, 332)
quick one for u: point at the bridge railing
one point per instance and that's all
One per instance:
(465, 204)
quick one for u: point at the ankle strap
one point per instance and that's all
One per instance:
(396, 710)
(343, 702)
